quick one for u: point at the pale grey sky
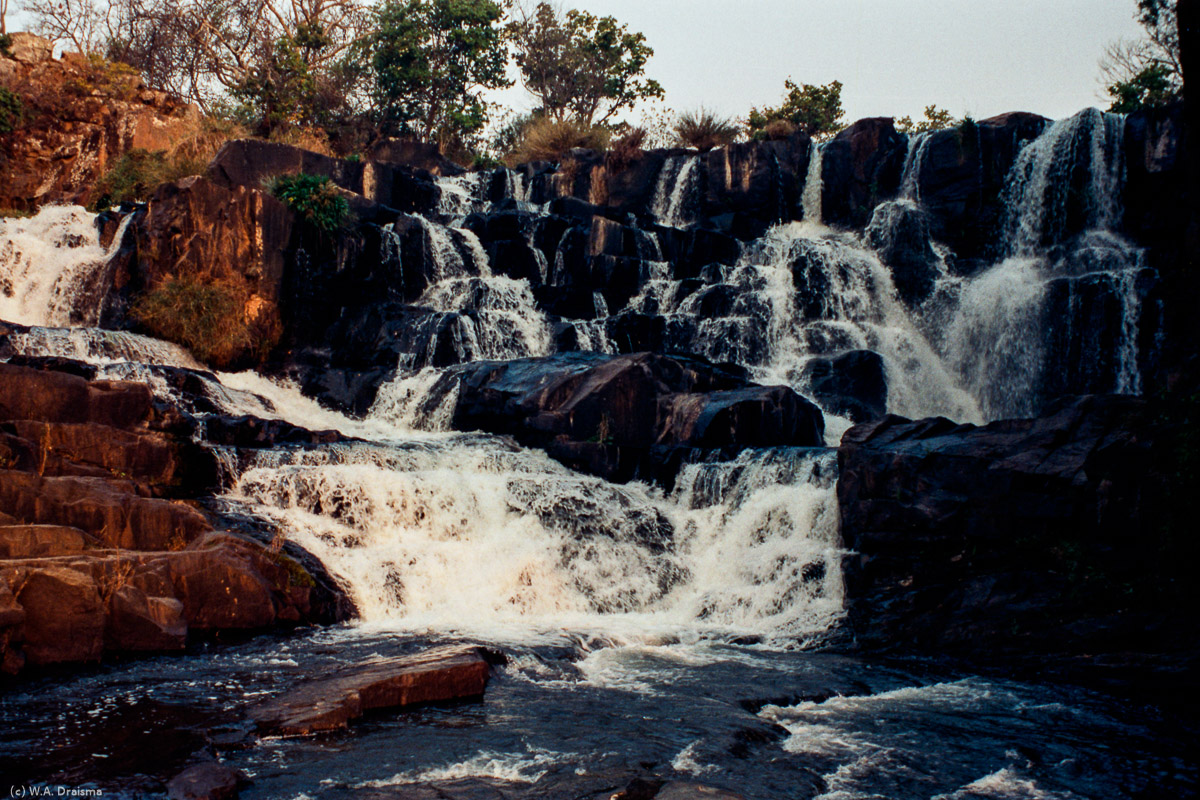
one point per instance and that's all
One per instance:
(894, 57)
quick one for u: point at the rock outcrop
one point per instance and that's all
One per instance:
(79, 115)
(622, 417)
(1039, 537)
(102, 547)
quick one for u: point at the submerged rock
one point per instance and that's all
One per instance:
(435, 676)
(207, 781)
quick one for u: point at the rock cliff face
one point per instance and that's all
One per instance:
(1033, 536)
(102, 547)
(80, 115)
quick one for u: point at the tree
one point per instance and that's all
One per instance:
(429, 62)
(1147, 72)
(816, 110)
(581, 67)
(936, 119)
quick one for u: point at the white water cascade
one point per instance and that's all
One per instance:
(674, 194)
(52, 267)
(811, 198)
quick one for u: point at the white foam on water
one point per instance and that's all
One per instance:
(526, 767)
(51, 267)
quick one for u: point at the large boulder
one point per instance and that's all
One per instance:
(438, 675)
(861, 165)
(899, 233)
(627, 416)
(64, 615)
(853, 384)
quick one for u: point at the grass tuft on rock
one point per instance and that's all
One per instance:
(705, 130)
(206, 318)
(136, 174)
(545, 139)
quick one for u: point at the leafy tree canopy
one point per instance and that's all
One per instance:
(816, 110)
(430, 60)
(936, 119)
(582, 67)
(1146, 73)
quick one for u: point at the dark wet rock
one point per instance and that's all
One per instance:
(254, 432)
(961, 176)
(206, 781)
(622, 416)
(412, 153)
(435, 676)
(755, 184)
(852, 385)
(860, 166)
(1034, 537)
(899, 233)
(690, 790)
(1155, 178)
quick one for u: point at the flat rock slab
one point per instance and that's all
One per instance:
(441, 674)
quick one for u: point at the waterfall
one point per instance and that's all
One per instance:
(52, 265)
(914, 160)
(470, 534)
(675, 192)
(810, 200)
(1046, 196)
(498, 316)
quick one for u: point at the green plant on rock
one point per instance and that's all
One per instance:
(313, 197)
(12, 110)
(136, 174)
(206, 318)
(5, 44)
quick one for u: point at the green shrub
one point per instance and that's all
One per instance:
(206, 318)
(5, 44)
(704, 130)
(12, 110)
(137, 173)
(313, 197)
(545, 139)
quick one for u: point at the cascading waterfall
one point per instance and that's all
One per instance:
(470, 534)
(810, 200)
(1068, 179)
(674, 194)
(914, 159)
(51, 267)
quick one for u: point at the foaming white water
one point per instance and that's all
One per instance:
(498, 317)
(1042, 185)
(101, 347)
(914, 159)
(994, 340)
(527, 767)
(674, 194)
(51, 267)
(405, 401)
(468, 534)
